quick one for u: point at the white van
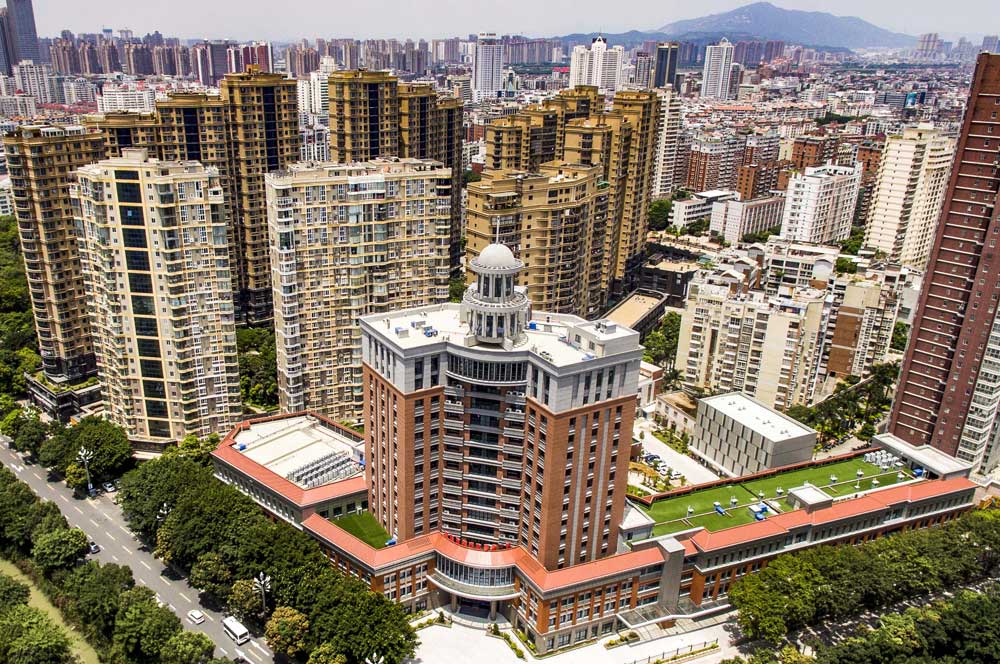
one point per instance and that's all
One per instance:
(235, 630)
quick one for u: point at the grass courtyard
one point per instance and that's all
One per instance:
(364, 526)
(671, 514)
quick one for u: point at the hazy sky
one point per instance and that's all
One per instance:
(270, 19)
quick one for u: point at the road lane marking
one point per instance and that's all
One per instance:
(255, 655)
(172, 608)
(143, 563)
(210, 617)
(65, 499)
(223, 651)
(111, 536)
(126, 549)
(37, 476)
(186, 598)
(124, 529)
(78, 509)
(254, 644)
(114, 557)
(94, 522)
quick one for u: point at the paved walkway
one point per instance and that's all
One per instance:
(462, 644)
(693, 472)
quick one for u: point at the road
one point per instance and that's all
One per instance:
(104, 524)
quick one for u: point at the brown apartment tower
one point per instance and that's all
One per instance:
(948, 387)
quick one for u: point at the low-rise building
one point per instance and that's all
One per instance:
(733, 219)
(685, 212)
(738, 435)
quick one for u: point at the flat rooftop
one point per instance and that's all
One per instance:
(672, 514)
(633, 309)
(547, 335)
(302, 449)
(757, 417)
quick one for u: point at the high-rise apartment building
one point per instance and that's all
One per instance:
(713, 161)
(500, 393)
(372, 115)
(263, 128)
(671, 157)
(487, 67)
(35, 80)
(717, 72)
(991, 44)
(349, 240)
(555, 219)
(665, 65)
(41, 160)
(908, 195)
(767, 347)
(155, 262)
(820, 204)
(862, 318)
(599, 66)
(948, 392)
(22, 36)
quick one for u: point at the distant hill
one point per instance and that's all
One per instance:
(763, 20)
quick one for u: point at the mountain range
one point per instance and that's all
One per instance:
(764, 20)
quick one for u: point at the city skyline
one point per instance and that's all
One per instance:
(383, 19)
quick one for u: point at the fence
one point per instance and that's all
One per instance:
(676, 652)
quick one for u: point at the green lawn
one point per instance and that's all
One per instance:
(364, 526)
(846, 472)
(80, 647)
(671, 514)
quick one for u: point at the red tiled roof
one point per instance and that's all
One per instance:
(544, 579)
(284, 487)
(869, 503)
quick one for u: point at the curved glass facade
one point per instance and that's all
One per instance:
(474, 576)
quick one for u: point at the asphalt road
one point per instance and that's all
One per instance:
(104, 524)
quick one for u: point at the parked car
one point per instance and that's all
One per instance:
(109, 487)
(196, 617)
(94, 547)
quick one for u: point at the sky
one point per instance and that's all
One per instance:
(267, 19)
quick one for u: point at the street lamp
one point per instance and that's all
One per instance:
(262, 584)
(85, 456)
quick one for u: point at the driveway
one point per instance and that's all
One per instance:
(693, 472)
(104, 524)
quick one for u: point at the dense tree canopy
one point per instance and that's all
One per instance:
(28, 636)
(659, 214)
(661, 343)
(142, 627)
(59, 548)
(12, 592)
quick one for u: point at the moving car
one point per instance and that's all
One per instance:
(94, 547)
(196, 617)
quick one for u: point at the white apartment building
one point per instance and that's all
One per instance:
(699, 206)
(348, 240)
(125, 97)
(909, 192)
(819, 205)
(6, 197)
(155, 263)
(718, 70)
(671, 157)
(487, 67)
(315, 143)
(766, 347)
(732, 219)
(599, 65)
(18, 106)
(34, 80)
(79, 91)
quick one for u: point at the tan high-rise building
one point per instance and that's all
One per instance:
(349, 240)
(909, 192)
(555, 220)
(263, 125)
(373, 115)
(155, 261)
(42, 160)
(249, 129)
(766, 347)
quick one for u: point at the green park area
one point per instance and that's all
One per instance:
(673, 514)
(364, 526)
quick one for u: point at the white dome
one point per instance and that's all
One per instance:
(497, 256)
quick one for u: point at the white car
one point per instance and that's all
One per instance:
(196, 617)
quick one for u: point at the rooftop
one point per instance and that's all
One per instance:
(633, 309)
(551, 336)
(303, 449)
(757, 417)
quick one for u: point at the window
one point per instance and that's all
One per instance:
(131, 215)
(137, 260)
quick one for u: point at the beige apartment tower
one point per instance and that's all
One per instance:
(555, 220)
(42, 160)
(348, 240)
(155, 261)
(909, 193)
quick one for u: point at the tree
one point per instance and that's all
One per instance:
(852, 245)
(92, 593)
(362, 624)
(286, 631)
(456, 289)
(845, 265)
(187, 648)
(12, 592)
(326, 654)
(470, 176)
(659, 214)
(56, 453)
(211, 575)
(900, 335)
(28, 636)
(145, 490)
(59, 548)
(30, 436)
(142, 627)
(258, 366)
(244, 600)
(761, 236)
(195, 448)
(108, 442)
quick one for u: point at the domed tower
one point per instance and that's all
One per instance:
(495, 309)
